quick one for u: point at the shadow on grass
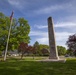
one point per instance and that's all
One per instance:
(22, 67)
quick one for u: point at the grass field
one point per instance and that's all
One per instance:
(15, 66)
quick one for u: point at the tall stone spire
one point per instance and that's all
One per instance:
(52, 44)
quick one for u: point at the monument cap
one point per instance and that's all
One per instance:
(50, 18)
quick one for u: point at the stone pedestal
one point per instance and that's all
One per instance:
(52, 44)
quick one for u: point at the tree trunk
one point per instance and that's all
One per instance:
(22, 56)
(33, 57)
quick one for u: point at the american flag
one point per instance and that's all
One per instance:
(11, 17)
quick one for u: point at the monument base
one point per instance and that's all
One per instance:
(54, 60)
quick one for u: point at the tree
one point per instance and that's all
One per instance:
(23, 30)
(19, 32)
(69, 53)
(44, 49)
(23, 47)
(43, 46)
(36, 46)
(4, 24)
(45, 52)
(40, 47)
(32, 50)
(71, 43)
(61, 50)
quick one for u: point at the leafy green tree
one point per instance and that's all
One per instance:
(36, 46)
(44, 49)
(19, 32)
(61, 50)
(4, 26)
(45, 52)
(43, 46)
(40, 47)
(23, 30)
(69, 52)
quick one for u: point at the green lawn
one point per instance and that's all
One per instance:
(15, 66)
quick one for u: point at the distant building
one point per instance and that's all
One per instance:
(11, 53)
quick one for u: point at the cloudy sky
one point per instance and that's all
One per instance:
(36, 12)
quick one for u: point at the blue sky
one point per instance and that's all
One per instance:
(36, 12)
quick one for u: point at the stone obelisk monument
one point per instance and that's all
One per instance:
(52, 44)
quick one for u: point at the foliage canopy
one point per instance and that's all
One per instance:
(19, 32)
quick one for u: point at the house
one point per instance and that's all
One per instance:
(11, 53)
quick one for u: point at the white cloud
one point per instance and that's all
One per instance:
(18, 3)
(48, 9)
(61, 36)
(14, 2)
(71, 18)
(43, 40)
(38, 33)
(40, 26)
(53, 8)
(66, 24)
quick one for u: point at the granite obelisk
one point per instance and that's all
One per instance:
(52, 44)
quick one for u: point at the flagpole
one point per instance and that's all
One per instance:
(5, 55)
